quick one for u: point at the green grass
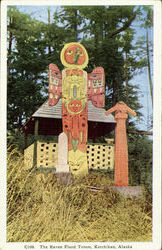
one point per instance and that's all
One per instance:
(40, 209)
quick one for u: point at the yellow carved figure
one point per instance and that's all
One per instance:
(78, 162)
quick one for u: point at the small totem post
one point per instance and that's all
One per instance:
(62, 165)
(121, 149)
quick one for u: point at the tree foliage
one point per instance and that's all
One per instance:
(140, 160)
(28, 61)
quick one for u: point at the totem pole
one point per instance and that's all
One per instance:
(75, 88)
(121, 148)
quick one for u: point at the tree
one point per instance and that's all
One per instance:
(140, 160)
(114, 51)
(105, 32)
(143, 45)
(28, 60)
(71, 20)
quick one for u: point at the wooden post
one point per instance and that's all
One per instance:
(121, 148)
(25, 140)
(35, 143)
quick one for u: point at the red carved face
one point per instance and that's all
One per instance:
(74, 55)
(75, 106)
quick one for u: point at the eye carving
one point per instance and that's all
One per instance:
(69, 52)
(94, 76)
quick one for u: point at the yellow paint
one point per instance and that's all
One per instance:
(81, 136)
(69, 82)
(78, 162)
(51, 95)
(100, 156)
(47, 156)
(82, 66)
(28, 156)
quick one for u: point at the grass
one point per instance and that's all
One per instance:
(40, 209)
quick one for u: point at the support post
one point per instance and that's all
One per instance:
(25, 140)
(35, 143)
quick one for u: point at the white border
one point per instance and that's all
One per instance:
(3, 146)
(82, 2)
(155, 245)
(157, 107)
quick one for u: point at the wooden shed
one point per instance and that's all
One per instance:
(50, 121)
(47, 120)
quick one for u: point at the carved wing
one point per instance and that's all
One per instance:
(55, 84)
(96, 87)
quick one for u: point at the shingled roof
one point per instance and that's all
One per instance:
(50, 120)
(94, 113)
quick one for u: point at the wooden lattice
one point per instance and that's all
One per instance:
(47, 154)
(99, 156)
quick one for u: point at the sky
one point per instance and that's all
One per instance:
(40, 13)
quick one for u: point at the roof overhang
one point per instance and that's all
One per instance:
(50, 121)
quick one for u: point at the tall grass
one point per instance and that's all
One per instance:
(40, 209)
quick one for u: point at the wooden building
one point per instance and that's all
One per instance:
(47, 120)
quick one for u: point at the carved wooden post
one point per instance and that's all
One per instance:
(75, 87)
(74, 105)
(121, 148)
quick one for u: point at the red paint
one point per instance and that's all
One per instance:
(71, 52)
(121, 148)
(55, 84)
(75, 106)
(75, 126)
(77, 72)
(96, 87)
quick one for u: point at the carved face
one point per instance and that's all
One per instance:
(74, 54)
(75, 106)
(78, 162)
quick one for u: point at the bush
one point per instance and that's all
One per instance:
(140, 161)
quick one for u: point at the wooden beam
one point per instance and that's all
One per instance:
(139, 132)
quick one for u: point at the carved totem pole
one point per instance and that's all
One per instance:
(121, 148)
(75, 88)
